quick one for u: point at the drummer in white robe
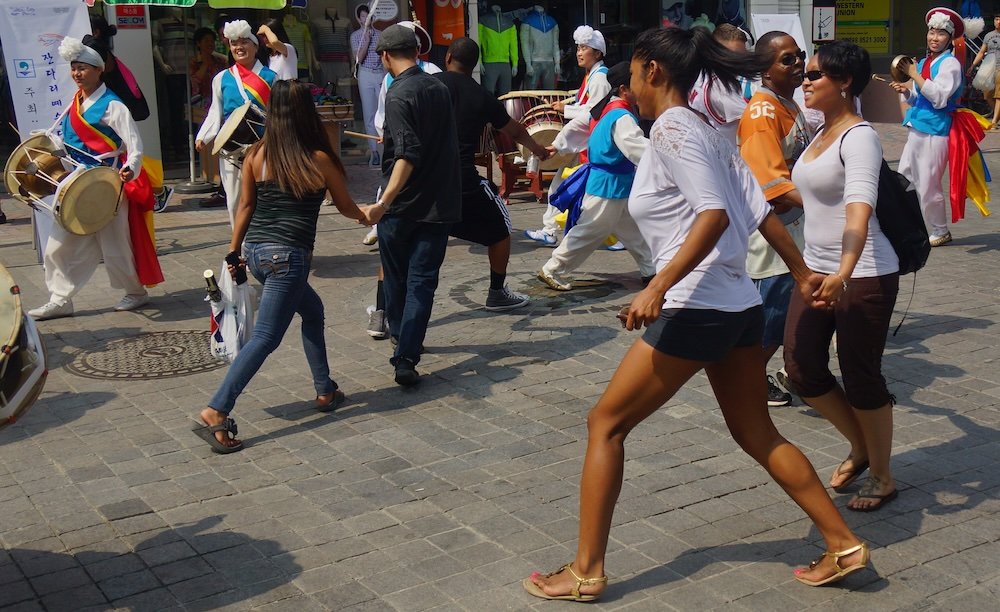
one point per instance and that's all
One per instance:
(246, 81)
(70, 260)
(590, 51)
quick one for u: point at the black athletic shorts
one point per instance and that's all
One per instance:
(485, 219)
(704, 335)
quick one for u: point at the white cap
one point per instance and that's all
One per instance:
(586, 35)
(73, 50)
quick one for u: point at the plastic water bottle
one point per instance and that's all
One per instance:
(531, 171)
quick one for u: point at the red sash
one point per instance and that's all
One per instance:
(255, 86)
(138, 192)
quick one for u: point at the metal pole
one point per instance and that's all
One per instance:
(195, 184)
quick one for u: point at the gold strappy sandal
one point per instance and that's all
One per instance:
(574, 595)
(844, 571)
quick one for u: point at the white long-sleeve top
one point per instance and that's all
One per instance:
(379, 119)
(118, 118)
(597, 88)
(942, 87)
(628, 137)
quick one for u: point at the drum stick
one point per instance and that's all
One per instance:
(359, 135)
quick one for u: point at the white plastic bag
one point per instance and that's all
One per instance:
(232, 317)
(985, 79)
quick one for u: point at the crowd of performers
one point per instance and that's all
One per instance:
(752, 228)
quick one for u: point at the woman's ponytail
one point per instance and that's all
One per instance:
(685, 54)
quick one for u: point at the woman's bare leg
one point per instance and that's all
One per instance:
(739, 385)
(834, 407)
(877, 427)
(644, 381)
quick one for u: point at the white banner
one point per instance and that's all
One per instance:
(40, 84)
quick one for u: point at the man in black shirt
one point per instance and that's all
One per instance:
(485, 219)
(421, 195)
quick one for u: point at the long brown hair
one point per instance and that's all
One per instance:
(292, 135)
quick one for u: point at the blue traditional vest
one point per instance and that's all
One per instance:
(231, 87)
(611, 173)
(922, 116)
(93, 116)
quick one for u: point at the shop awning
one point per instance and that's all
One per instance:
(180, 3)
(271, 5)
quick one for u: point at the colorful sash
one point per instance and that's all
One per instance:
(257, 88)
(138, 192)
(966, 167)
(581, 95)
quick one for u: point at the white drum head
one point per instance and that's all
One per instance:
(88, 200)
(229, 128)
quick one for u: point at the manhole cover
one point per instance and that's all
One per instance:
(587, 294)
(148, 356)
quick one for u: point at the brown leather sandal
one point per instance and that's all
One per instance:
(574, 595)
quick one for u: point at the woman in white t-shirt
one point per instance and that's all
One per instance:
(696, 203)
(838, 179)
(276, 52)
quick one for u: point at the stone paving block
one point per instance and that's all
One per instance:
(60, 580)
(155, 600)
(166, 553)
(124, 585)
(14, 592)
(124, 509)
(183, 569)
(197, 588)
(346, 596)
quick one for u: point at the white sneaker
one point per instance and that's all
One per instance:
(371, 237)
(52, 310)
(131, 302)
(542, 237)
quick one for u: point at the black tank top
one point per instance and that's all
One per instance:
(282, 218)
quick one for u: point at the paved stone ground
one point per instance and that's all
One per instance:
(445, 496)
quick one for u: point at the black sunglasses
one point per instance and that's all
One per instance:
(789, 60)
(814, 75)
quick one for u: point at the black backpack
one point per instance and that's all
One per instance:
(898, 213)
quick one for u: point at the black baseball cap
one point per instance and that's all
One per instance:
(396, 38)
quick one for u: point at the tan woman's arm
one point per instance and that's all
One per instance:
(336, 184)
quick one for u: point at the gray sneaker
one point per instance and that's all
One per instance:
(377, 326)
(504, 299)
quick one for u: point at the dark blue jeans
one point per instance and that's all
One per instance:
(412, 253)
(284, 272)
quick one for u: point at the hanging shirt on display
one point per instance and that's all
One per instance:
(449, 21)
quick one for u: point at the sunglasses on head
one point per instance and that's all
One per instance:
(789, 60)
(814, 75)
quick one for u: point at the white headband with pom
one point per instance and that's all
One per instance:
(941, 21)
(235, 30)
(586, 35)
(73, 50)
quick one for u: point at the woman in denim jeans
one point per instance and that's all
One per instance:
(285, 177)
